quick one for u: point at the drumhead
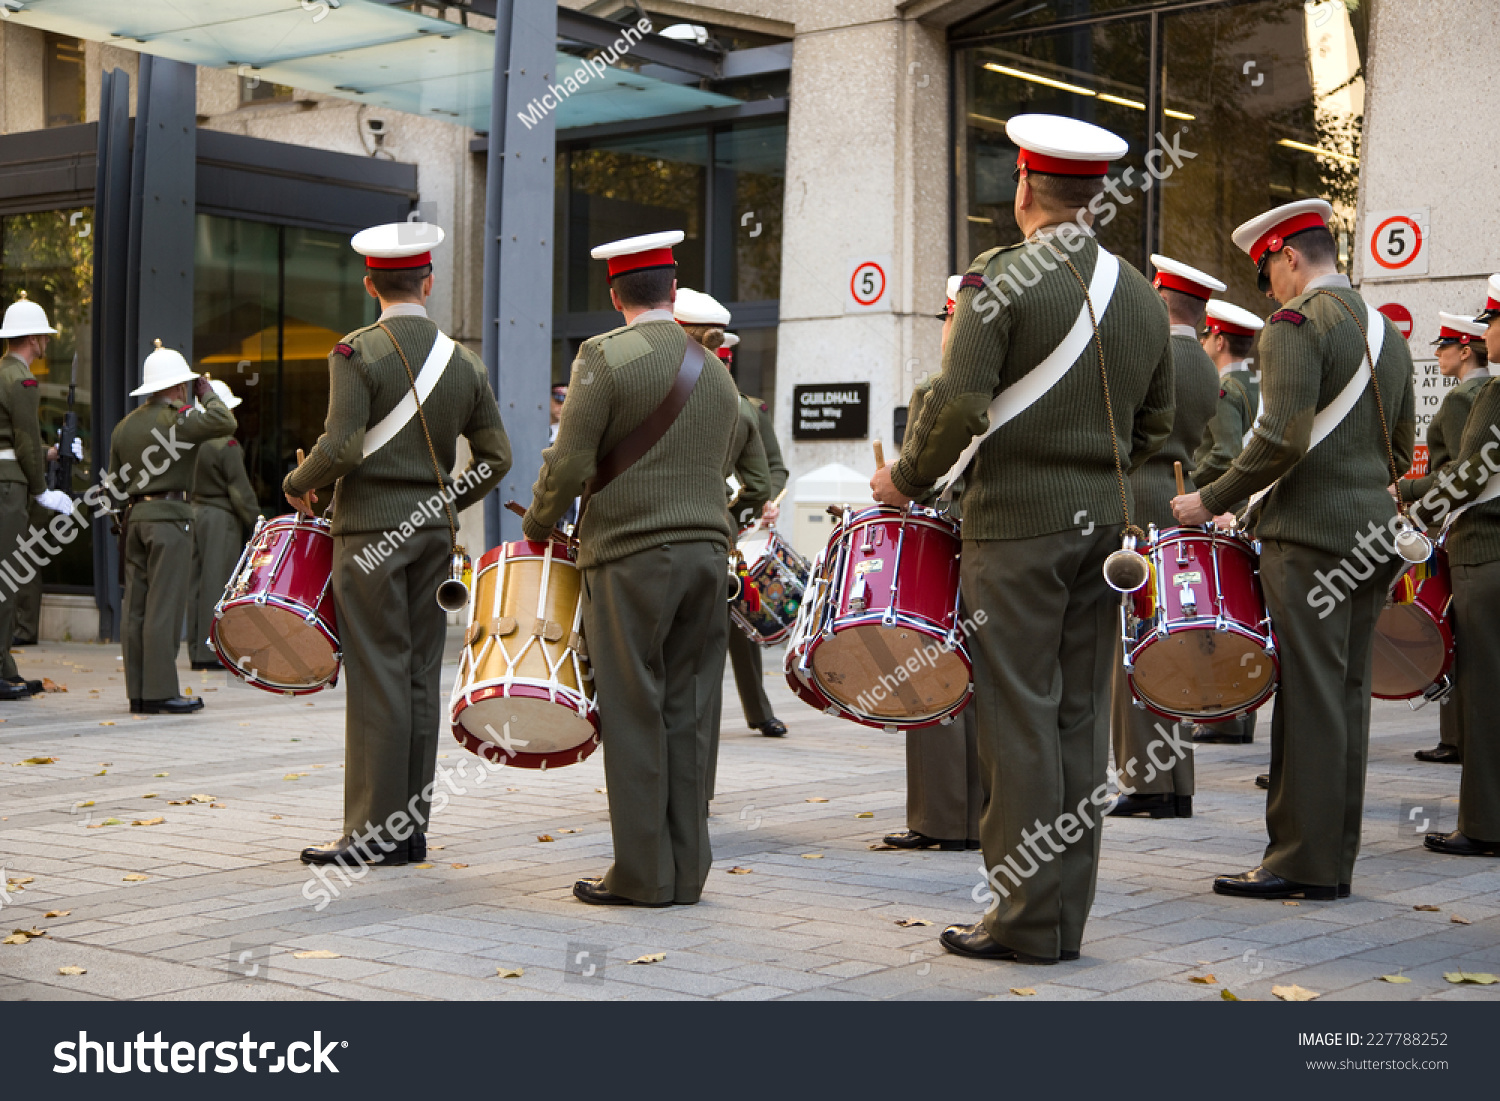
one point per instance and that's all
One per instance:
(849, 668)
(1198, 674)
(1411, 652)
(275, 645)
(536, 726)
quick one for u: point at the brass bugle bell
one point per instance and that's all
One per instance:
(1412, 544)
(1126, 570)
(452, 592)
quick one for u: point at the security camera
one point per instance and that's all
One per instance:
(375, 126)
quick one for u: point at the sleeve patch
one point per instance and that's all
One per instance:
(28, 382)
(972, 280)
(1223, 393)
(764, 408)
(343, 350)
(232, 443)
(1287, 315)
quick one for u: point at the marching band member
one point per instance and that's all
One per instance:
(391, 458)
(944, 784)
(224, 515)
(745, 653)
(647, 428)
(1168, 793)
(1323, 450)
(1460, 355)
(156, 529)
(1473, 546)
(1228, 339)
(1043, 507)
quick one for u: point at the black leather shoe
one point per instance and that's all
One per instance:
(973, 844)
(32, 686)
(1152, 806)
(10, 691)
(204, 666)
(1260, 883)
(771, 728)
(349, 853)
(1212, 735)
(177, 705)
(1263, 781)
(911, 839)
(594, 893)
(1343, 890)
(23, 641)
(1456, 844)
(974, 941)
(1442, 754)
(416, 845)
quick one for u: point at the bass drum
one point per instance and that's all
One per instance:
(1414, 643)
(524, 693)
(275, 627)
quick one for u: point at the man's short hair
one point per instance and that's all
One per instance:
(1316, 244)
(1239, 344)
(399, 283)
(1065, 194)
(1183, 309)
(641, 290)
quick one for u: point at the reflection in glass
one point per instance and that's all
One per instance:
(749, 181)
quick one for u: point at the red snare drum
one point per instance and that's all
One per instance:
(1198, 639)
(883, 596)
(275, 626)
(1414, 642)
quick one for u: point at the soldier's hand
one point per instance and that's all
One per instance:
(303, 504)
(201, 387)
(52, 454)
(1189, 509)
(885, 491)
(770, 512)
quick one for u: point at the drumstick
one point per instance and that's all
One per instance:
(1177, 470)
(879, 454)
(300, 457)
(781, 496)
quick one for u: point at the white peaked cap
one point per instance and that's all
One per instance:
(1064, 146)
(226, 395)
(1457, 328)
(696, 308)
(1491, 307)
(163, 368)
(1177, 276)
(397, 245)
(24, 317)
(1226, 317)
(730, 340)
(953, 282)
(1266, 232)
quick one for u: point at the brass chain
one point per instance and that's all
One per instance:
(1109, 409)
(1385, 428)
(431, 451)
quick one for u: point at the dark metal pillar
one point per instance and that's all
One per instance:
(518, 247)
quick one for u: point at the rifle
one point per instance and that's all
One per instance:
(60, 469)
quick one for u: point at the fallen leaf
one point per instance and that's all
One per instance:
(654, 957)
(512, 789)
(86, 803)
(1394, 978)
(136, 877)
(177, 802)
(912, 923)
(817, 800)
(158, 820)
(865, 814)
(216, 806)
(159, 775)
(1457, 920)
(15, 938)
(1023, 991)
(1478, 978)
(510, 972)
(421, 865)
(882, 848)
(276, 818)
(601, 791)
(200, 798)
(49, 685)
(106, 822)
(32, 932)
(40, 761)
(458, 865)
(72, 971)
(1226, 995)
(1294, 993)
(1290, 902)
(104, 771)
(545, 837)
(20, 884)
(152, 795)
(1206, 980)
(57, 913)
(812, 856)
(317, 954)
(1432, 909)
(107, 722)
(437, 848)
(737, 870)
(569, 831)
(294, 775)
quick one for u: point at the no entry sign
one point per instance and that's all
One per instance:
(1400, 317)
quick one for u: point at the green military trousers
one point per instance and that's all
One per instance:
(29, 599)
(1043, 659)
(158, 558)
(749, 677)
(216, 549)
(944, 784)
(391, 631)
(1476, 602)
(14, 502)
(1153, 755)
(657, 633)
(1320, 726)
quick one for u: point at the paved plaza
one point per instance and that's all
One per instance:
(799, 905)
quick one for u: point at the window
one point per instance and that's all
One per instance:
(255, 90)
(62, 80)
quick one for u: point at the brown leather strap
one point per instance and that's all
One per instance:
(645, 435)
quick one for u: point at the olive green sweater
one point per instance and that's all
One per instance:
(386, 490)
(1154, 483)
(1474, 537)
(220, 481)
(1445, 433)
(1328, 496)
(672, 494)
(774, 460)
(153, 450)
(19, 427)
(751, 469)
(1224, 436)
(1051, 468)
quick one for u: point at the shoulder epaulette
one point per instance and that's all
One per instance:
(28, 382)
(1287, 315)
(342, 349)
(973, 280)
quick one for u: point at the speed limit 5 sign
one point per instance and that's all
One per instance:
(1396, 243)
(869, 288)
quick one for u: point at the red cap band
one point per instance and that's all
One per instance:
(1228, 328)
(1275, 237)
(1178, 283)
(1059, 166)
(725, 353)
(398, 263)
(1446, 333)
(640, 261)
(1491, 304)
